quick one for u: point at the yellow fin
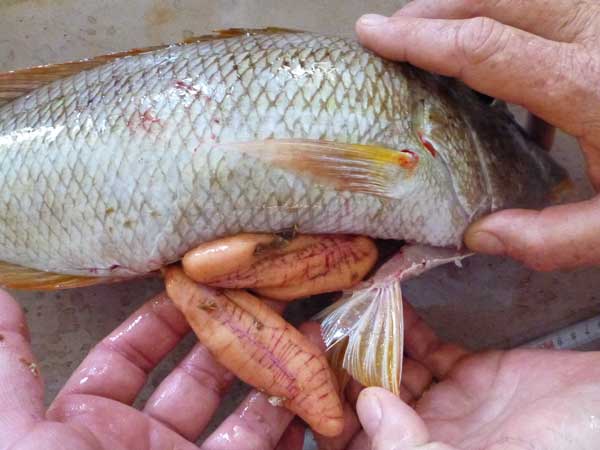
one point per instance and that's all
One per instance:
(368, 169)
(364, 331)
(368, 322)
(24, 278)
(17, 83)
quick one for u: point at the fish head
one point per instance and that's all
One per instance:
(475, 148)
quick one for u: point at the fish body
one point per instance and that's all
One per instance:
(121, 169)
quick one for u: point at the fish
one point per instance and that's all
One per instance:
(113, 168)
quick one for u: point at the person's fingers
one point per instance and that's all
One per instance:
(390, 424)
(416, 378)
(261, 348)
(115, 425)
(360, 442)
(340, 442)
(188, 397)
(560, 20)
(255, 424)
(21, 387)
(423, 346)
(282, 269)
(352, 391)
(293, 436)
(118, 366)
(553, 80)
(50, 435)
(558, 237)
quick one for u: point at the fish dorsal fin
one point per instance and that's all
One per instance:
(17, 83)
(365, 169)
(234, 32)
(18, 277)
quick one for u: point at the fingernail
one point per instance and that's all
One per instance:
(371, 20)
(369, 411)
(484, 242)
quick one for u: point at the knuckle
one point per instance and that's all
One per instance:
(479, 39)
(479, 7)
(587, 74)
(575, 77)
(583, 21)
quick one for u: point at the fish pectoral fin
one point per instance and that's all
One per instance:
(18, 277)
(17, 83)
(367, 169)
(363, 333)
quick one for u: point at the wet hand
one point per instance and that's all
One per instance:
(426, 358)
(539, 54)
(509, 400)
(308, 265)
(94, 411)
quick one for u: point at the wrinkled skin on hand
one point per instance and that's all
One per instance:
(93, 410)
(494, 400)
(498, 400)
(261, 348)
(540, 54)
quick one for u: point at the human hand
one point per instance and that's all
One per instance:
(426, 358)
(282, 268)
(497, 400)
(540, 54)
(93, 410)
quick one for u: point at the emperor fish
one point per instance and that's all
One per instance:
(115, 167)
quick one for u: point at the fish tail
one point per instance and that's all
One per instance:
(364, 336)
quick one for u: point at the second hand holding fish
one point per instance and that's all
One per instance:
(541, 55)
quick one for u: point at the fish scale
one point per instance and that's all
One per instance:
(120, 169)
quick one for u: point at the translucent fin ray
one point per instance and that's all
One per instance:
(368, 169)
(369, 323)
(364, 331)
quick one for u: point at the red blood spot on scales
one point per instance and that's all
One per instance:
(143, 120)
(183, 86)
(428, 145)
(148, 119)
(408, 159)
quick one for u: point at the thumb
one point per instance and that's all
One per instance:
(391, 424)
(559, 237)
